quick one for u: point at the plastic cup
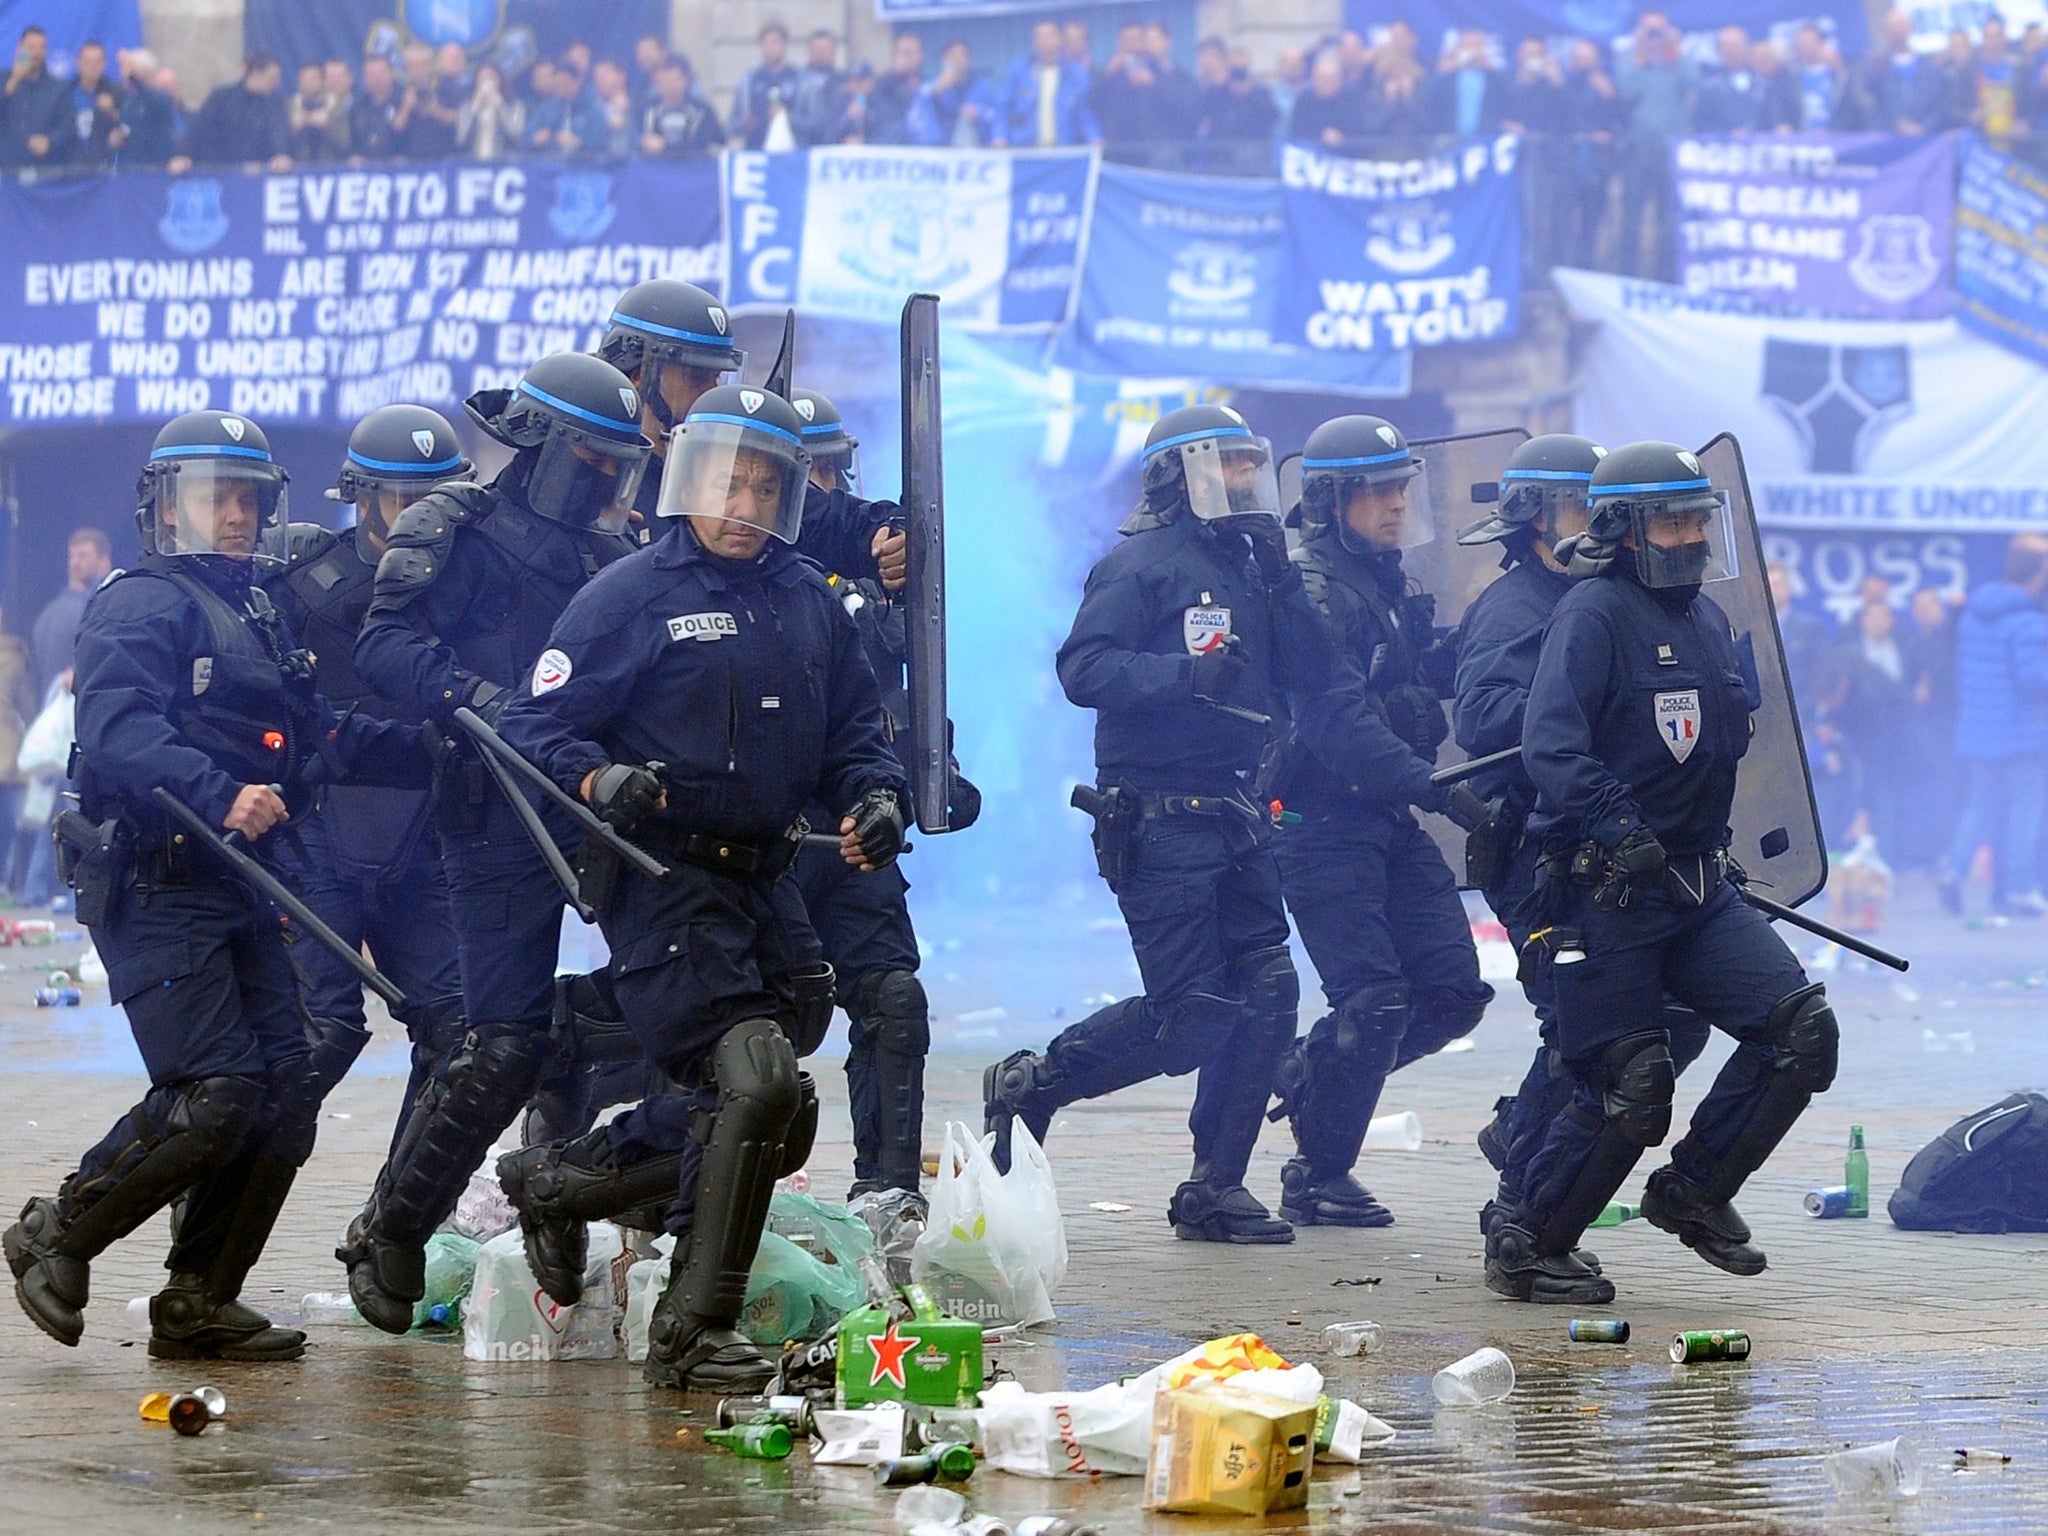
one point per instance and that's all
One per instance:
(1891, 1469)
(1394, 1133)
(1484, 1376)
(1351, 1339)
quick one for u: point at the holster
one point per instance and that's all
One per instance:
(460, 783)
(93, 858)
(1116, 814)
(1491, 847)
(597, 872)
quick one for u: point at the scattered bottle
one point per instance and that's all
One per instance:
(59, 997)
(1348, 1340)
(1616, 1213)
(1602, 1330)
(328, 1309)
(1055, 1525)
(760, 1442)
(792, 1412)
(940, 1507)
(1709, 1344)
(188, 1413)
(937, 1464)
(1856, 1175)
(1829, 1202)
(1976, 1460)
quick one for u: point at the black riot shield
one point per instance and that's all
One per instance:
(1777, 834)
(924, 598)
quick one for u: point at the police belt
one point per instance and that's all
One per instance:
(1688, 879)
(1153, 804)
(730, 856)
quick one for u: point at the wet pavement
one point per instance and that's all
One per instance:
(1860, 1331)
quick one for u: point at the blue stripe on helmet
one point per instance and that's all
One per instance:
(1196, 437)
(1374, 458)
(439, 466)
(746, 421)
(211, 450)
(624, 431)
(721, 343)
(824, 429)
(1581, 476)
(1653, 485)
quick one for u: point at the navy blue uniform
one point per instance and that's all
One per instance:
(1193, 866)
(1369, 891)
(749, 683)
(366, 862)
(1637, 718)
(1499, 640)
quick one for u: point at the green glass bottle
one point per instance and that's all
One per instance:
(1616, 1213)
(1856, 1174)
(763, 1442)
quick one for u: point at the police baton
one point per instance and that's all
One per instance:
(229, 849)
(1458, 772)
(498, 747)
(537, 833)
(831, 840)
(1780, 912)
(1236, 712)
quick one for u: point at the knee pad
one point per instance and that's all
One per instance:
(894, 1006)
(336, 1043)
(803, 1129)
(218, 1111)
(816, 996)
(1637, 1082)
(754, 1068)
(1804, 1037)
(1267, 979)
(1368, 1026)
(495, 1068)
(1197, 1025)
(296, 1089)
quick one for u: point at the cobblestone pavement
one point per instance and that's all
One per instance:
(1860, 1331)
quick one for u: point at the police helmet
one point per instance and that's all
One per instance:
(740, 456)
(211, 488)
(1657, 497)
(575, 420)
(395, 456)
(666, 321)
(1205, 458)
(825, 434)
(1350, 454)
(1542, 486)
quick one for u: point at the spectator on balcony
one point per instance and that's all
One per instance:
(426, 126)
(373, 115)
(1174, 104)
(1125, 95)
(1827, 96)
(39, 128)
(147, 135)
(491, 124)
(1467, 90)
(563, 121)
(1331, 112)
(817, 111)
(1903, 91)
(1996, 110)
(1290, 79)
(1730, 98)
(339, 81)
(95, 107)
(1230, 106)
(760, 109)
(1356, 57)
(650, 52)
(1045, 99)
(677, 124)
(886, 117)
(244, 122)
(1656, 86)
(1532, 99)
(1594, 113)
(454, 80)
(1779, 103)
(311, 112)
(959, 107)
(615, 122)
(1077, 47)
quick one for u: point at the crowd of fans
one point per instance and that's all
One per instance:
(1599, 117)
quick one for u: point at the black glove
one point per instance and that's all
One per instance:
(1416, 715)
(965, 810)
(1639, 853)
(624, 795)
(1220, 672)
(489, 700)
(1269, 546)
(878, 826)
(1464, 807)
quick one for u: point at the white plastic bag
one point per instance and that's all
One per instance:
(857, 1437)
(509, 1317)
(1106, 1432)
(644, 1283)
(994, 1245)
(484, 1210)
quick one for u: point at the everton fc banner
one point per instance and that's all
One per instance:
(1916, 426)
(322, 294)
(2002, 250)
(1383, 255)
(1851, 224)
(852, 231)
(1180, 280)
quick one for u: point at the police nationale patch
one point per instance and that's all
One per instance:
(551, 671)
(702, 626)
(1678, 721)
(424, 441)
(1204, 629)
(202, 674)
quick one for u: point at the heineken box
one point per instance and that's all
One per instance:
(927, 1357)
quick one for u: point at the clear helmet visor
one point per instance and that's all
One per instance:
(745, 475)
(1380, 511)
(219, 506)
(845, 462)
(378, 505)
(586, 482)
(673, 378)
(1230, 477)
(1680, 543)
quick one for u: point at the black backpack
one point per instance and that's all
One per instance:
(1986, 1173)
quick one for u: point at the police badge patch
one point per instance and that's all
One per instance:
(702, 626)
(1678, 721)
(550, 671)
(1204, 629)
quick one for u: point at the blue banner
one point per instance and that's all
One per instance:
(319, 295)
(1390, 254)
(2002, 250)
(852, 232)
(1605, 20)
(1180, 281)
(512, 32)
(115, 23)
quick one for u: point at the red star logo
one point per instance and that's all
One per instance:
(890, 1348)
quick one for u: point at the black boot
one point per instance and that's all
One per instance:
(52, 1287)
(1497, 1213)
(1334, 1201)
(1202, 1213)
(559, 1189)
(186, 1323)
(1516, 1270)
(386, 1278)
(1009, 1093)
(1711, 1228)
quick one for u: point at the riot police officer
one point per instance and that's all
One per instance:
(461, 609)
(188, 681)
(1637, 718)
(1376, 906)
(366, 861)
(674, 341)
(1190, 633)
(1541, 501)
(698, 696)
